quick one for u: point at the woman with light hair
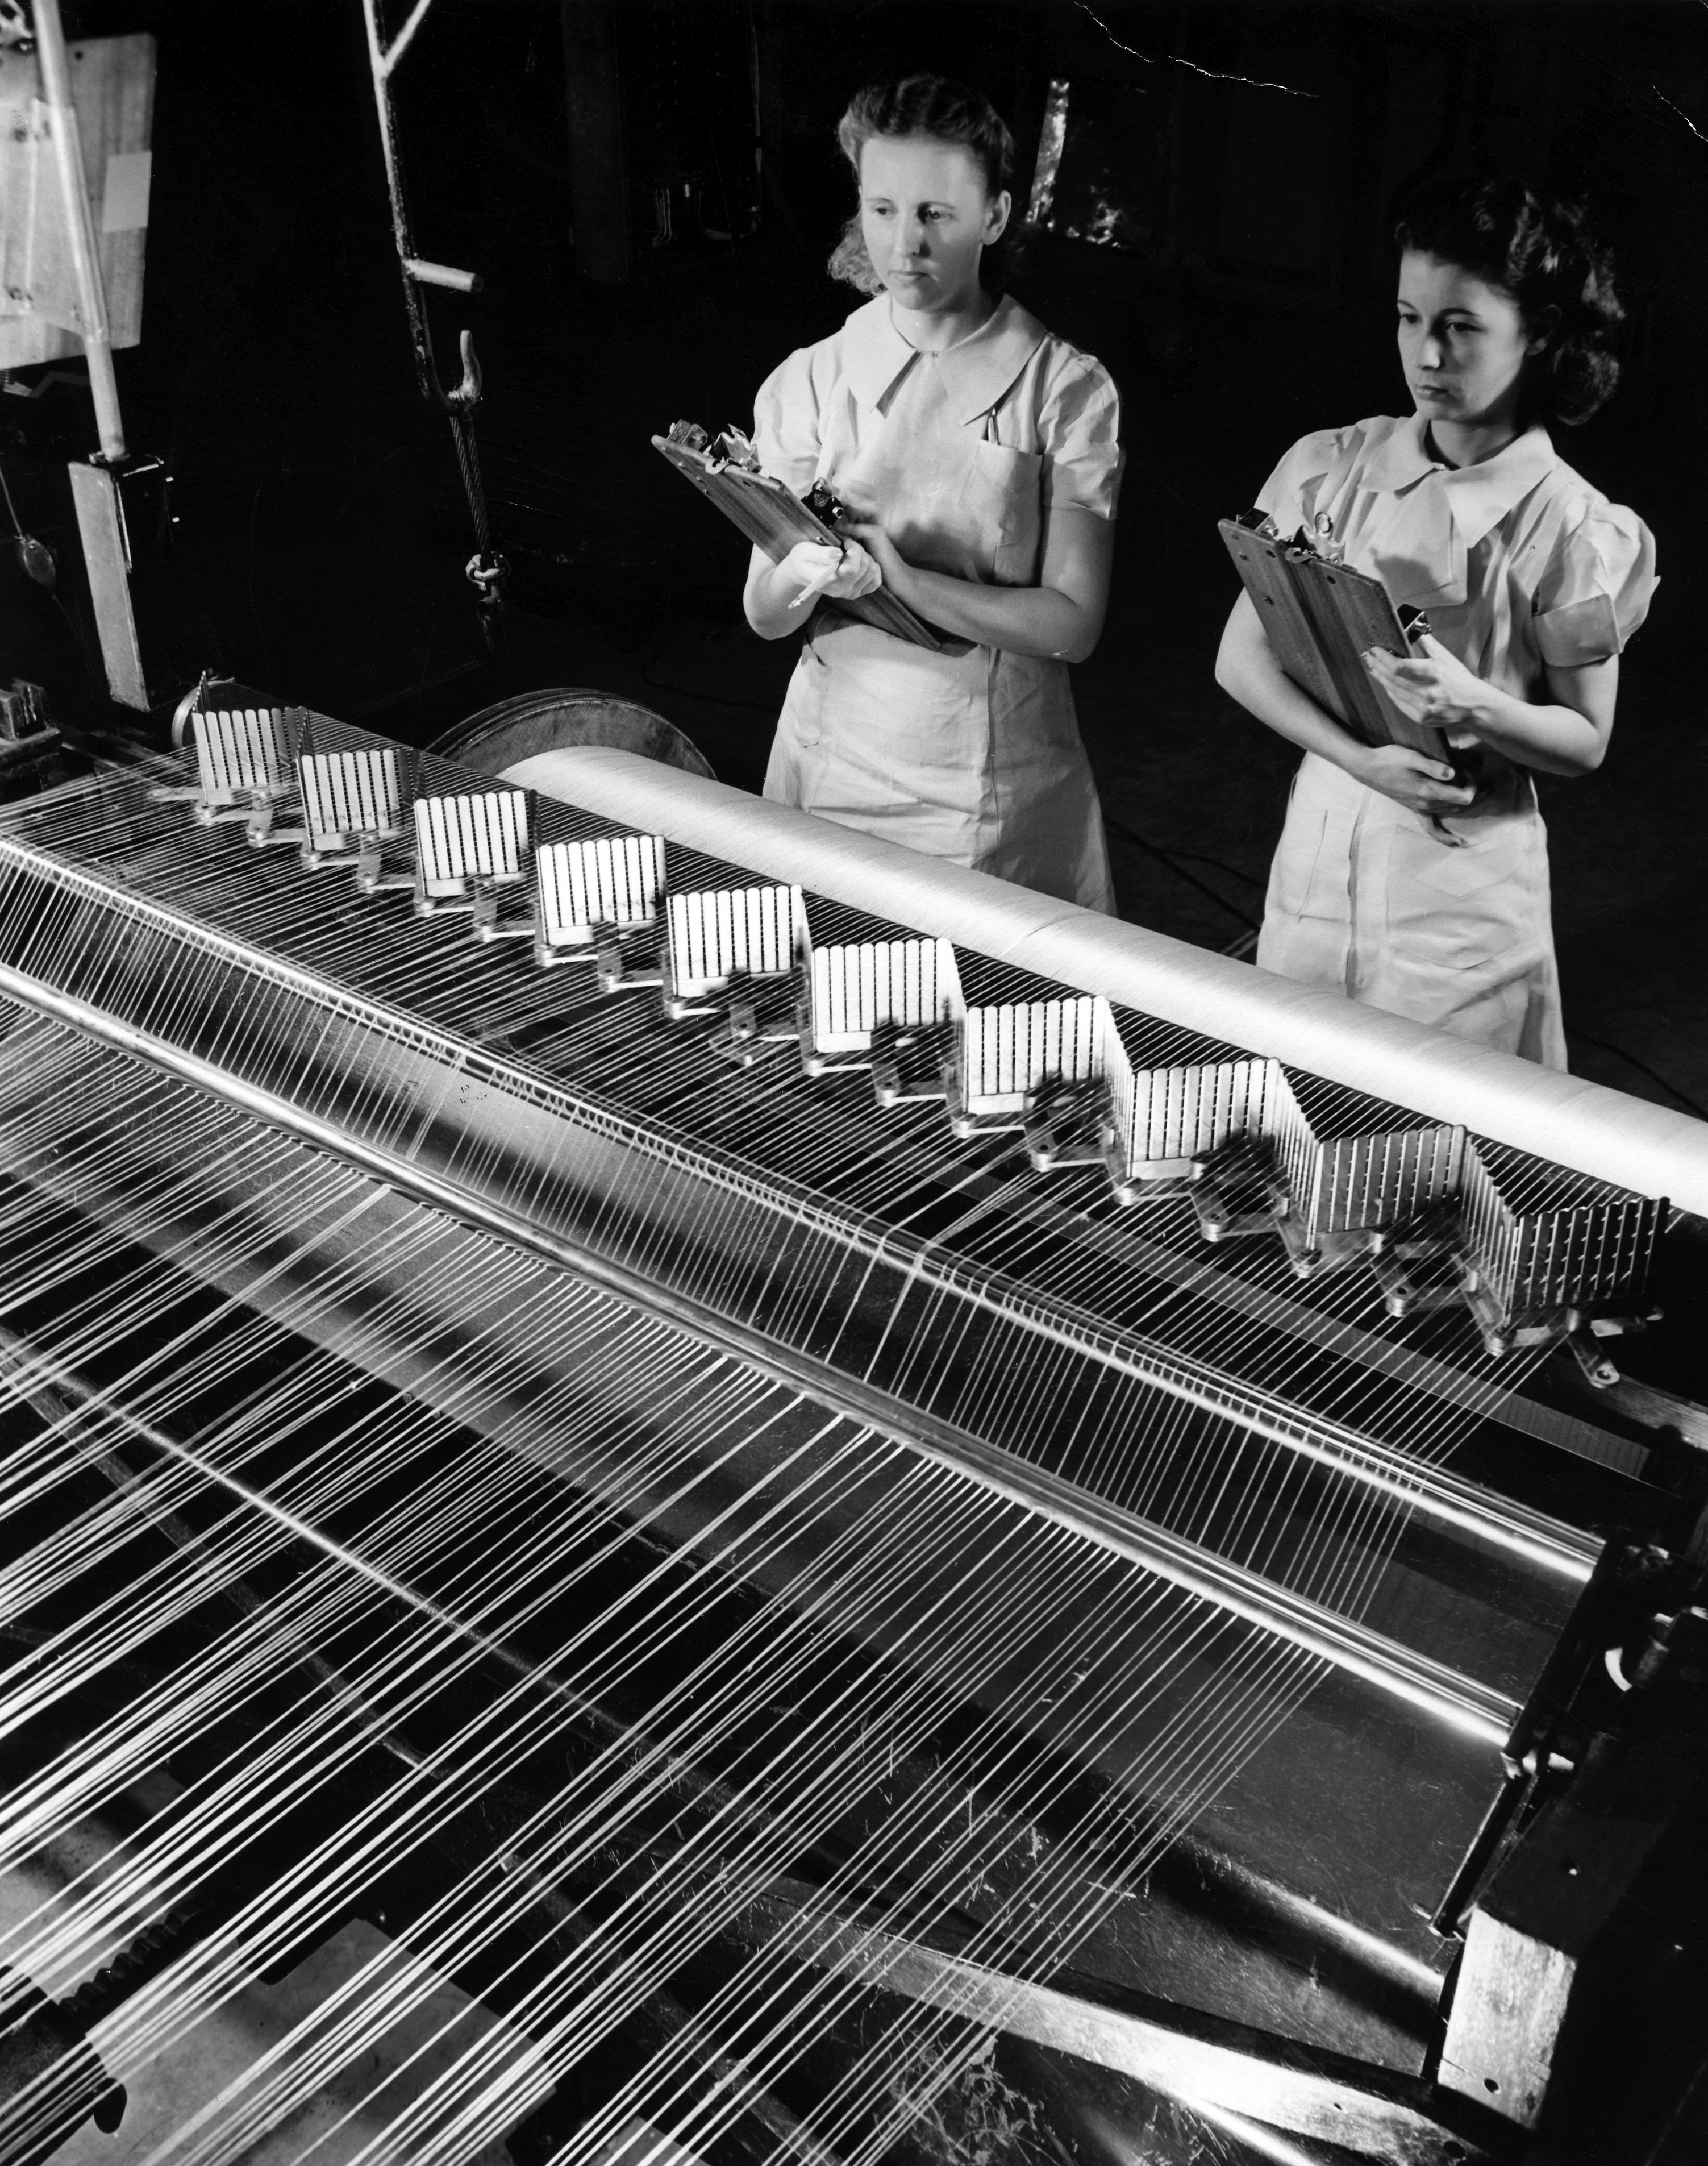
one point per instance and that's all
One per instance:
(977, 459)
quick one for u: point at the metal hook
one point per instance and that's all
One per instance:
(189, 705)
(467, 396)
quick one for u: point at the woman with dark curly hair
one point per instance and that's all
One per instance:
(977, 457)
(1395, 882)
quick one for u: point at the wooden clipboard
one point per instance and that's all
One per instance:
(774, 519)
(1322, 618)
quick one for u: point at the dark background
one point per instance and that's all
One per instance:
(649, 189)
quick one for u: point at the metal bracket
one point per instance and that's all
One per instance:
(750, 1033)
(682, 1007)
(853, 1062)
(1594, 1365)
(912, 1066)
(371, 876)
(616, 973)
(1432, 1239)
(1648, 1405)
(1503, 1334)
(1330, 1252)
(890, 1086)
(965, 1126)
(1243, 1162)
(433, 906)
(1065, 1127)
(550, 954)
(264, 808)
(1404, 1294)
(487, 908)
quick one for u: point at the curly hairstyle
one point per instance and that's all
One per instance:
(923, 105)
(1539, 251)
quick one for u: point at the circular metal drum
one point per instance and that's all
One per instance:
(512, 730)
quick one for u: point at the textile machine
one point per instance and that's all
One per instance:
(883, 1517)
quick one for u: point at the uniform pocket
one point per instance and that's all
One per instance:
(802, 712)
(1304, 881)
(1001, 487)
(1483, 904)
(1459, 868)
(999, 501)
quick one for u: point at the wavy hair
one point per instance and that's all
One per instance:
(1538, 250)
(948, 112)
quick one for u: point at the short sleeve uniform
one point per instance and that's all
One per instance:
(972, 753)
(1520, 564)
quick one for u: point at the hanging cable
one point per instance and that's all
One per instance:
(34, 558)
(1122, 833)
(487, 570)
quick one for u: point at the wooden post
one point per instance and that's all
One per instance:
(79, 227)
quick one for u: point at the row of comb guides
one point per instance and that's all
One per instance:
(1537, 1253)
(246, 748)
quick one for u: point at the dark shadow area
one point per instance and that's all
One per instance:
(649, 189)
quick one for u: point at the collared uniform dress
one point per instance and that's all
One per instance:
(972, 754)
(1519, 563)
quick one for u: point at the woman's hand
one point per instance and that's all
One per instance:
(1058, 620)
(844, 575)
(777, 596)
(869, 540)
(1247, 668)
(1434, 687)
(1565, 735)
(1412, 779)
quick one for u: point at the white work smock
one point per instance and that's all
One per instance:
(973, 753)
(1519, 562)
